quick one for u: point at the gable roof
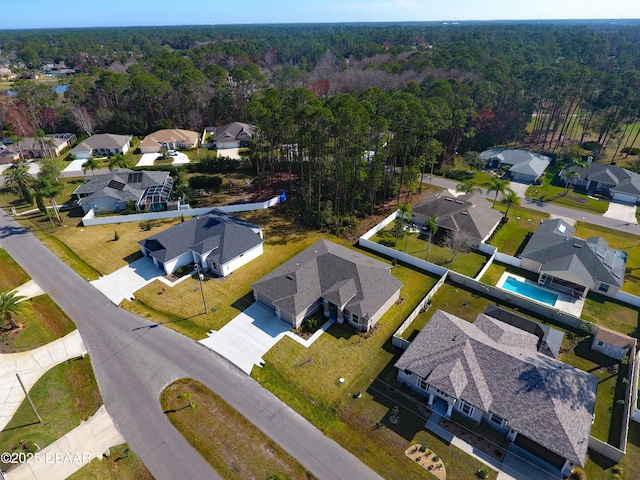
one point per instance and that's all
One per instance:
(220, 234)
(496, 368)
(122, 184)
(616, 178)
(521, 161)
(234, 131)
(580, 261)
(173, 135)
(327, 270)
(614, 338)
(470, 214)
(102, 141)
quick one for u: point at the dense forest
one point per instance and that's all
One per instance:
(350, 115)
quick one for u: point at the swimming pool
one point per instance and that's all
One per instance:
(514, 285)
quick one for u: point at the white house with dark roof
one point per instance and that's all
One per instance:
(217, 241)
(524, 166)
(106, 144)
(491, 371)
(470, 214)
(232, 135)
(149, 190)
(619, 183)
(572, 265)
(345, 283)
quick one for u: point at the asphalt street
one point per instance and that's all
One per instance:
(134, 359)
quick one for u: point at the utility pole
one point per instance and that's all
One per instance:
(33, 407)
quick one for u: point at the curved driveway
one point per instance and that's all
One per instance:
(135, 359)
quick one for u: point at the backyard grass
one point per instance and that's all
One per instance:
(122, 464)
(307, 380)
(509, 238)
(610, 313)
(181, 308)
(11, 274)
(415, 244)
(64, 396)
(234, 447)
(46, 323)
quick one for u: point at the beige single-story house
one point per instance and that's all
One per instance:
(170, 139)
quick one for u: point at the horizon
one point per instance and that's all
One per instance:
(75, 14)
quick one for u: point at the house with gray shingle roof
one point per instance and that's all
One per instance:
(233, 135)
(217, 241)
(608, 180)
(524, 166)
(345, 283)
(470, 214)
(102, 144)
(572, 265)
(491, 371)
(150, 190)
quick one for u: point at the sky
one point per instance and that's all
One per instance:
(93, 13)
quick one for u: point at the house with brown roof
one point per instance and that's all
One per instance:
(470, 214)
(345, 283)
(492, 372)
(170, 139)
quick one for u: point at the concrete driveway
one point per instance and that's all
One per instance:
(621, 211)
(147, 159)
(245, 339)
(123, 283)
(230, 152)
(519, 187)
(75, 166)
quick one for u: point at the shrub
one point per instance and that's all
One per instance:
(482, 473)
(116, 237)
(423, 448)
(578, 474)
(591, 146)
(631, 151)
(205, 181)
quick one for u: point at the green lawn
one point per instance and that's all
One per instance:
(510, 237)
(234, 447)
(416, 245)
(610, 313)
(575, 200)
(307, 380)
(122, 464)
(64, 396)
(11, 274)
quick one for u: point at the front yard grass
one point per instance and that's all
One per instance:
(64, 396)
(307, 380)
(575, 200)
(233, 446)
(122, 464)
(11, 274)
(509, 238)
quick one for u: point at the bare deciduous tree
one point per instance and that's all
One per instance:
(457, 242)
(82, 119)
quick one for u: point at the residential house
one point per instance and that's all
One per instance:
(524, 166)
(233, 135)
(607, 180)
(345, 283)
(470, 214)
(102, 144)
(572, 265)
(32, 148)
(491, 372)
(216, 241)
(172, 139)
(611, 343)
(6, 73)
(148, 190)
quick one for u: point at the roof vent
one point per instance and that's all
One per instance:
(465, 213)
(460, 202)
(577, 245)
(448, 199)
(290, 277)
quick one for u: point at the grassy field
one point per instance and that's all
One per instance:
(122, 464)
(45, 323)
(510, 237)
(11, 274)
(64, 396)
(234, 447)
(307, 380)
(416, 245)
(610, 313)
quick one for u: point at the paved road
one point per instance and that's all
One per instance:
(551, 209)
(135, 359)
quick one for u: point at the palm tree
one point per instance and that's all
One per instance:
(20, 180)
(12, 304)
(575, 164)
(496, 185)
(46, 187)
(467, 186)
(90, 164)
(433, 228)
(510, 198)
(405, 212)
(118, 161)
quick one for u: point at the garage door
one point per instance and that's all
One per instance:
(540, 451)
(621, 197)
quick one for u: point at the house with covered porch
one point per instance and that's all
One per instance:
(492, 372)
(572, 265)
(348, 285)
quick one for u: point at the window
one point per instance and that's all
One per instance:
(355, 318)
(422, 383)
(603, 287)
(498, 420)
(600, 343)
(466, 408)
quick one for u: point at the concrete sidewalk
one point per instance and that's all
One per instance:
(30, 289)
(68, 454)
(31, 365)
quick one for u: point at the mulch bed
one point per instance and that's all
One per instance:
(491, 442)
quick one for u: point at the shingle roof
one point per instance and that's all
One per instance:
(470, 214)
(618, 179)
(614, 338)
(542, 398)
(329, 270)
(102, 141)
(234, 131)
(122, 184)
(522, 161)
(170, 135)
(225, 236)
(580, 261)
